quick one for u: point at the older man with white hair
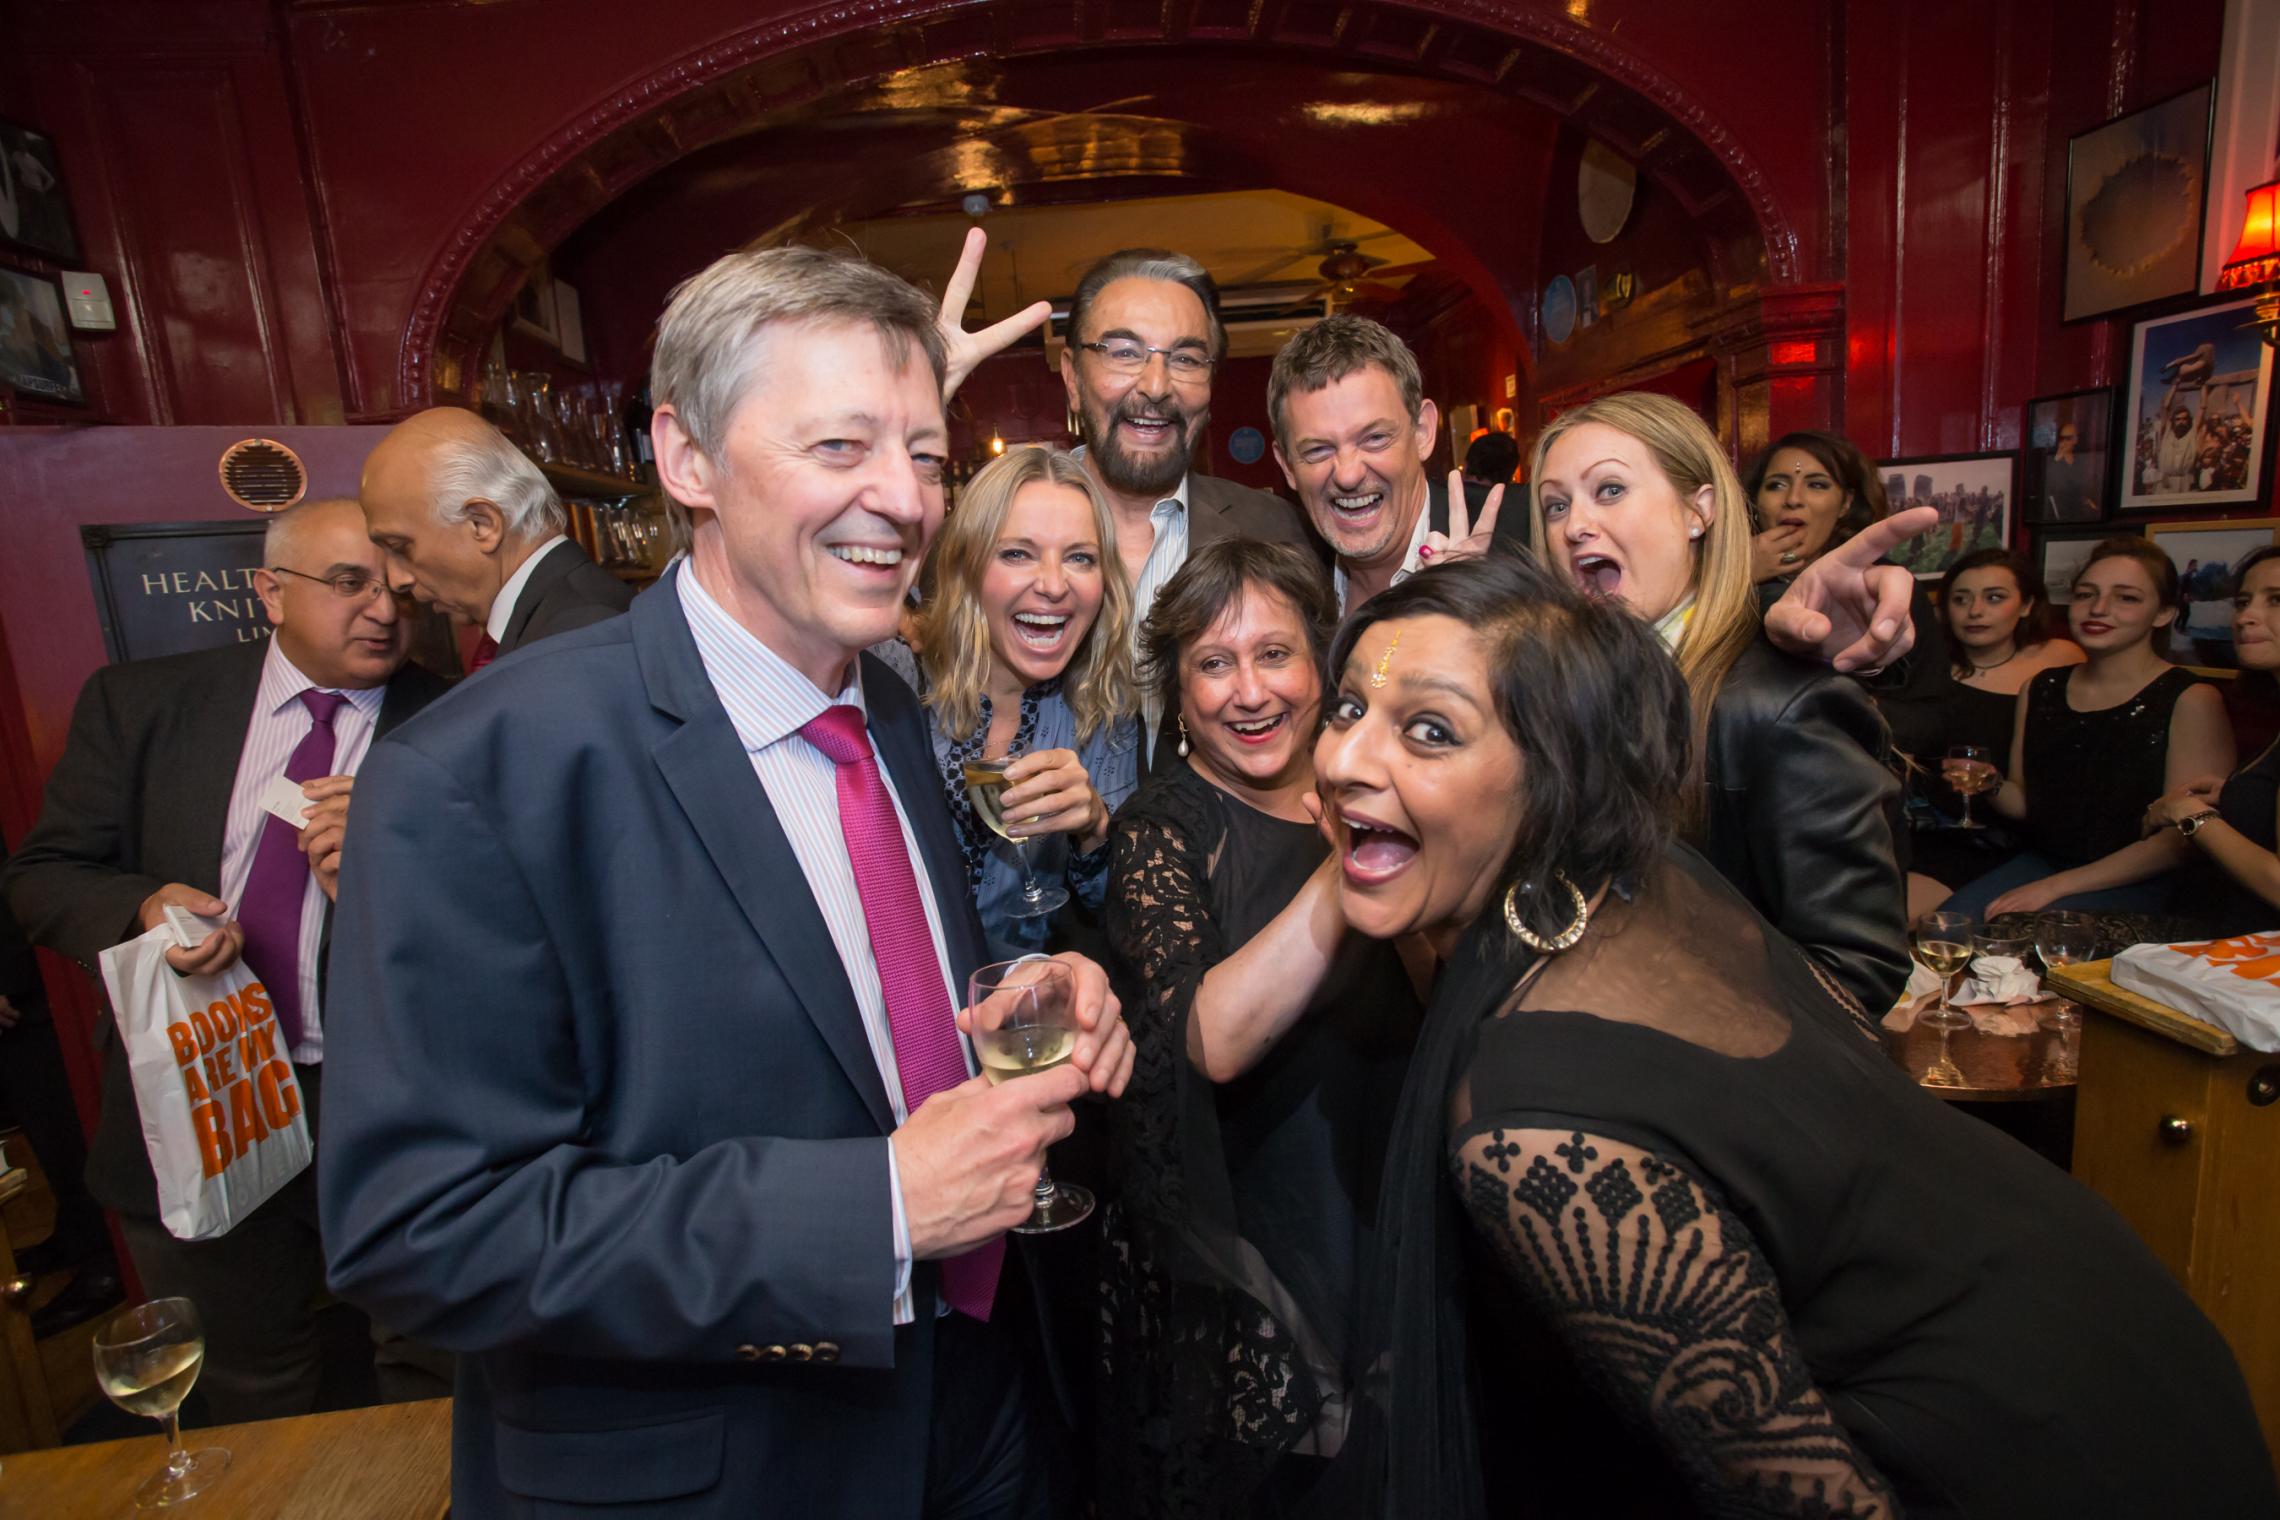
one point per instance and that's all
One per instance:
(470, 525)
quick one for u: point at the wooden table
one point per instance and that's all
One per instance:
(1996, 1068)
(389, 1462)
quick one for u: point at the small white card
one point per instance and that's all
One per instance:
(287, 801)
(190, 930)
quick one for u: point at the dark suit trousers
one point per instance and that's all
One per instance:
(993, 1452)
(256, 1288)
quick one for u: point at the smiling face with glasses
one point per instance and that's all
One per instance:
(336, 620)
(1140, 381)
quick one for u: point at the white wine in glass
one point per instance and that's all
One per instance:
(1942, 943)
(1023, 1021)
(146, 1358)
(1970, 770)
(985, 783)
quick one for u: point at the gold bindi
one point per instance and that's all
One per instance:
(1377, 679)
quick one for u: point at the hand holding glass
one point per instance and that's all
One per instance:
(1023, 1019)
(985, 783)
(1969, 769)
(146, 1358)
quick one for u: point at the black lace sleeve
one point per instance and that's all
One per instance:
(1674, 1315)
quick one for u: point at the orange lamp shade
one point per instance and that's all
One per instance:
(2256, 257)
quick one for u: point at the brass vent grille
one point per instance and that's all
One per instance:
(263, 475)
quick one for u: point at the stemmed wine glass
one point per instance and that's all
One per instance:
(985, 781)
(1024, 1020)
(2065, 938)
(1970, 771)
(146, 1358)
(1942, 943)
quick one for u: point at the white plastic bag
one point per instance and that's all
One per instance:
(221, 1108)
(2233, 983)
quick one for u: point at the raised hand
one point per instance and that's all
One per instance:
(969, 349)
(1845, 607)
(1049, 792)
(1467, 537)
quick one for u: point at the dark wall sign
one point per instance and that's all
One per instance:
(169, 588)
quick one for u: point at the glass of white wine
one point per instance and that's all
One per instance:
(146, 1358)
(2065, 939)
(1941, 942)
(1970, 770)
(1024, 1020)
(985, 781)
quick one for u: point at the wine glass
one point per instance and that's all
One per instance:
(1970, 770)
(146, 1358)
(1024, 1020)
(2064, 939)
(985, 781)
(1942, 943)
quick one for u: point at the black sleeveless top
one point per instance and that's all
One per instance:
(2207, 895)
(2091, 775)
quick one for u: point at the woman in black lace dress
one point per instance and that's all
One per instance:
(1729, 1261)
(1269, 1050)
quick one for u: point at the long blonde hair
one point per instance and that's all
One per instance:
(1725, 619)
(954, 634)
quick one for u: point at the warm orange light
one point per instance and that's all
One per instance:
(2256, 257)
(1801, 351)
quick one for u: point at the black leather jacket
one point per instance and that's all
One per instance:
(1800, 815)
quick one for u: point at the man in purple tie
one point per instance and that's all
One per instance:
(157, 800)
(649, 1096)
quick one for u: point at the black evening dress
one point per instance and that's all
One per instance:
(1928, 717)
(2209, 900)
(1242, 1215)
(2091, 775)
(1785, 1280)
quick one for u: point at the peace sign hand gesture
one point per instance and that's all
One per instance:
(1468, 537)
(969, 349)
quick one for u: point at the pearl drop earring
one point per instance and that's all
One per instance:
(1183, 738)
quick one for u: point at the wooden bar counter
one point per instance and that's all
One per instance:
(389, 1462)
(2178, 1127)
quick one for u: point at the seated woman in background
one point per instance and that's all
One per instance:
(1024, 650)
(1269, 1050)
(1731, 1261)
(1807, 494)
(1787, 791)
(2094, 744)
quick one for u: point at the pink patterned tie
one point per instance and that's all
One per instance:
(928, 1057)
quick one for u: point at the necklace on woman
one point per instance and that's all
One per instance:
(1980, 670)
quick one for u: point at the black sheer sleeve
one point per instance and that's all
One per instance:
(1672, 1313)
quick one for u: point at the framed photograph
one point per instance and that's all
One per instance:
(2060, 554)
(2200, 387)
(2207, 556)
(2066, 463)
(35, 342)
(33, 212)
(1973, 492)
(2134, 192)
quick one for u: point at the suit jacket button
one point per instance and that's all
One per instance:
(748, 1353)
(771, 1353)
(802, 1351)
(827, 1351)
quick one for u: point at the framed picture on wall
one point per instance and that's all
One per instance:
(2200, 388)
(35, 343)
(2207, 556)
(2060, 554)
(33, 212)
(2134, 192)
(1974, 494)
(2066, 466)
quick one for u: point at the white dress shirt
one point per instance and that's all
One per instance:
(280, 722)
(1165, 556)
(503, 605)
(1409, 563)
(768, 702)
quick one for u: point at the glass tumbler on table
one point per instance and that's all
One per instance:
(146, 1358)
(2065, 939)
(1941, 943)
(1024, 1020)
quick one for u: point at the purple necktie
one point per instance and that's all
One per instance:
(270, 915)
(928, 1057)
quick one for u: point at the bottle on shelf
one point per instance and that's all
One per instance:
(637, 415)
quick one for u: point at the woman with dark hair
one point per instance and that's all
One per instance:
(2093, 745)
(1269, 1048)
(1808, 493)
(1726, 1258)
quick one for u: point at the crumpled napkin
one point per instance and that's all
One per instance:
(1998, 992)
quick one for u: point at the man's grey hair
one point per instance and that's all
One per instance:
(1149, 264)
(488, 467)
(284, 527)
(707, 348)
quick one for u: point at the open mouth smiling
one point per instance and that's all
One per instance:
(1041, 631)
(1597, 573)
(1375, 852)
(1258, 730)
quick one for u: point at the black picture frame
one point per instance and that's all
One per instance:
(2055, 492)
(2216, 363)
(1964, 526)
(2061, 592)
(2130, 183)
(37, 358)
(35, 211)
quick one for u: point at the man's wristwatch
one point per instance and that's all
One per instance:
(2191, 826)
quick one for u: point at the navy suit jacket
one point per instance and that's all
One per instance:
(600, 1111)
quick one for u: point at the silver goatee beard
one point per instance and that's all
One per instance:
(1134, 474)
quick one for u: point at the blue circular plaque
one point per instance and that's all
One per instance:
(1559, 309)
(1247, 444)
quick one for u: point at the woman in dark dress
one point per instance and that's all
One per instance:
(1788, 1281)
(1269, 1050)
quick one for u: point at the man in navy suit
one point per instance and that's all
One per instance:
(648, 1095)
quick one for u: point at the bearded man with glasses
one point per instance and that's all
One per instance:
(158, 801)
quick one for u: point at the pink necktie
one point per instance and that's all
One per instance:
(928, 1057)
(486, 650)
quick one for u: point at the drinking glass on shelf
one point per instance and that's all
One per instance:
(1970, 770)
(1024, 1020)
(985, 782)
(2065, 938)
(1941, 942)
(146, 1358)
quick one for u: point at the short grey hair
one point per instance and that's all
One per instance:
(488, 467)
(707, 348)
(1150, 264)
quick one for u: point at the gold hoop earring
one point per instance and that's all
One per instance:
(1566, 938)
(1183, 736)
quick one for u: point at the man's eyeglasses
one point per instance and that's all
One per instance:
(349, 585)
(1124, 356)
